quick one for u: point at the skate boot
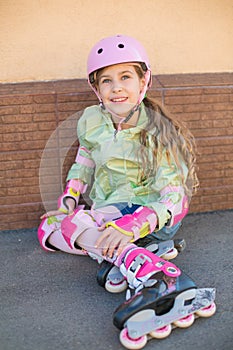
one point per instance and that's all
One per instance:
(154, 311)
(138, 265)
(134, 267)
(109, 275)
(167, 250)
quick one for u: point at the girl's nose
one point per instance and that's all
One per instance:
(116, 87)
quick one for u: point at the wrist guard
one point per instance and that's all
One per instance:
(139, 224)
(73, 190)
(177, 206)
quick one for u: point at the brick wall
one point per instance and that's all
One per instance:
(34, 157)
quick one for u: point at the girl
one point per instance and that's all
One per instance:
(140, 160)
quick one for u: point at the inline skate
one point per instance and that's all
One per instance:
(109, 275)
(154, 311)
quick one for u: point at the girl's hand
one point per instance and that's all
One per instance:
(111, 241)
(70, 204)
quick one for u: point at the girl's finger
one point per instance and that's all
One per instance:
(121, 248)
(71, 205)
(111, 246)
(102, 227)
(51, 213)
(101, 238)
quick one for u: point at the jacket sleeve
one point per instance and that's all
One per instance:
(172, 203)
(83, 167)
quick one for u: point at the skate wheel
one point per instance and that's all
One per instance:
(116, 287)
(207, 311)
(130, 343)
(185, 322)
(171, 254)
(105, 268)
(162, 332)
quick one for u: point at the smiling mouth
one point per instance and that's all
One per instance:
(119, 99)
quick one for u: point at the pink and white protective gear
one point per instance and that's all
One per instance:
(73, 190)
(139, 224)
(82, 227)
(139, 264)
(51, 238)
(114, 50)
(76, 233)
(177, 206)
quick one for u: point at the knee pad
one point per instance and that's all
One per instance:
(45, 230)
(74, 225)
(81, 220)
(51, 238)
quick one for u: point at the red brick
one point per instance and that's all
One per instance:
(15, 128)
(214, 132)
(19, 200)
(183, 100)
(41, 99)
(200, 124)
(47, 126)
(218, 90)
(198, 107)
(27, 109)
(222, 123)
(216, 115)
(184, 92)
(213, 141)
(44, 108)
(9, 110)
(15, 100)
(223, 107)
(44, 117)
(13, 137)
(215, 98)
(191, 116)
(14, 119)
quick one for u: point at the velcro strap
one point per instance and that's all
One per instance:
(134, 267)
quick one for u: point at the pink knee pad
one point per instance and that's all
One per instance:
(74, 225)
(46, 228)
(81, 220)
(51, 238)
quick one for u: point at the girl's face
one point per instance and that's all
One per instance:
(119, 87)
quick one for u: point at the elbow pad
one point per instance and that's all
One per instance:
(73, 190)
(176, 202)
(139, 224)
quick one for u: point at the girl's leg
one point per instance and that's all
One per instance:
(51, 238)
(136, 264)
(81, 230)
(166, 233)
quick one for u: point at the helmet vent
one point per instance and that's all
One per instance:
(121, 46)
(100, 51)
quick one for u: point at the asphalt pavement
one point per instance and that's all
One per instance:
(51, 301)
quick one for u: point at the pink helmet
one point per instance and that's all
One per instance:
(117, 49)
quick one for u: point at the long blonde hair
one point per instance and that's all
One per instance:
(174, 137)
(171, 134)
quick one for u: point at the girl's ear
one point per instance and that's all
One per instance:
(96, 86)
(142, 83)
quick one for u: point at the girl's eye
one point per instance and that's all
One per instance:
(105, 81)
(124, 77)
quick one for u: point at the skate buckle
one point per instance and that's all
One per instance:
(133, 269)
(138, 262)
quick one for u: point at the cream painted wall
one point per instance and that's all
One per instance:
(50, 39)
